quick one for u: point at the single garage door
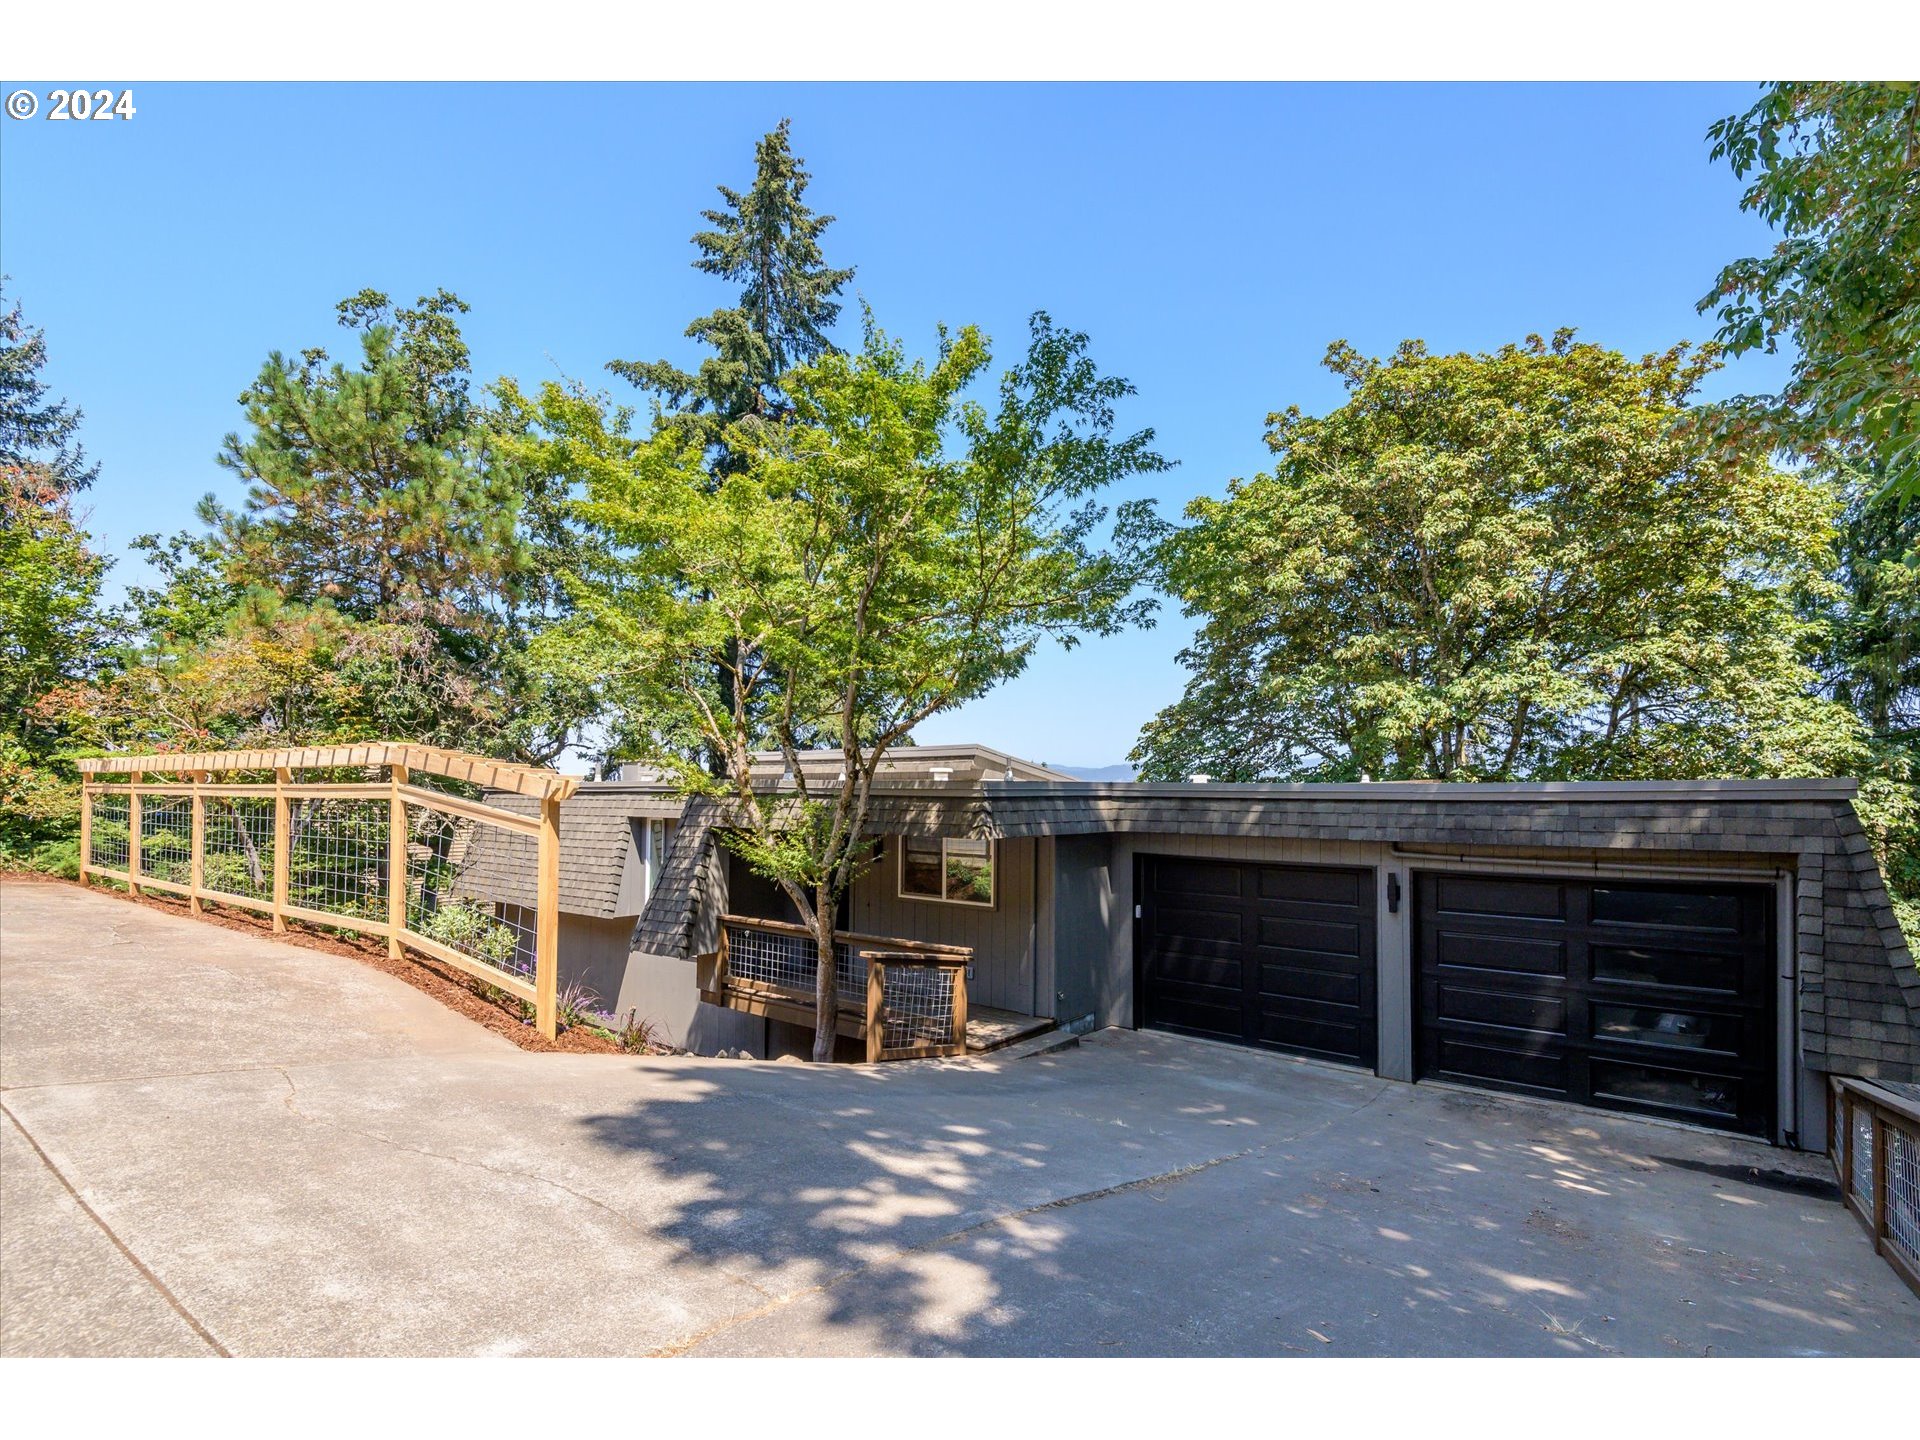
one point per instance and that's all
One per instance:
(1631, 995)
(1274, 955)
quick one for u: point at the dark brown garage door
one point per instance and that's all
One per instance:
(1274, 955)
(1632, 995)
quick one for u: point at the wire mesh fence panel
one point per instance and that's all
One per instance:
(790, 961)
(1903, 1192)
(107, 838)
(1863, 1156)
(470, 887)
(238, 847)
(917, 1005)
(166, 837)
(337, 857)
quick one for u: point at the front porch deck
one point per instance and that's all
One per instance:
(905, 999)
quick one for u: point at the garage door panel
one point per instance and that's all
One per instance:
(1719, 1099)
(1271, 955)
(1659, 998)
(1668, 909)
(1500, 895)
(1226, 974)
(1305, 983)
(1194, 1018)
(1666, 1029)
(1473, 1006)
(1475, 950)
(1301, 885)
(1332, 1037)
(1540, 1071)
(1195, 878)
(1208, 928)
(1670, 967)
(1329, 937)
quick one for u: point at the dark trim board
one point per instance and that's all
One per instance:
(1653, 997)
(1282, 957)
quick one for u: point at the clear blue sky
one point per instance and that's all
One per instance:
(1211, 239)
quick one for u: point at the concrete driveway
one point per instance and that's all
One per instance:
(215, 1143)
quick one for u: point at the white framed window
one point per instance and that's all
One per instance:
(946, 870)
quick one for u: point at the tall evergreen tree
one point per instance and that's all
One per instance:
(767, 241)
(38, 453)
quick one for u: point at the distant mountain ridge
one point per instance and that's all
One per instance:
(1096, 772)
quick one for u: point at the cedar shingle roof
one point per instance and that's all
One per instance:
(597, 845)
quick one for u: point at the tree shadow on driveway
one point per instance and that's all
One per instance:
(1144, 1197)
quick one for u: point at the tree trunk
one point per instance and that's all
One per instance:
(826, 987)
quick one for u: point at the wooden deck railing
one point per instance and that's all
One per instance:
(1874, 1143)
(381, 857)
(905, 998)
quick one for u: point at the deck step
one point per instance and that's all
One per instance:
(990, 1029)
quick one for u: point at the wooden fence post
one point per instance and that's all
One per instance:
(282, 846)
(133, 832)
(197, 861)
(396, 862)
(86, 827)
(546, 951)
(960, 1005)
(1880, 1169)
(876, 1009)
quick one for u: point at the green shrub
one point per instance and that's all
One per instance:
(471, 931)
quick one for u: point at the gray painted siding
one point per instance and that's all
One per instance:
(1004, 940)
(666, 990)
(1084, 919)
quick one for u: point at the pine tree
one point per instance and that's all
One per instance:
(38, 454)
(370, 487)
(767, 241)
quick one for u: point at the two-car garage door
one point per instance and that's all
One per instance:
(1650, 996)
(1627, 994)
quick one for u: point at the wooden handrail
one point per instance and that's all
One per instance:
(1886, 1112)
(855, 937)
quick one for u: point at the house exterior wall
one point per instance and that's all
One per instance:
(1007, 940)
(593, 953)
(665, 989)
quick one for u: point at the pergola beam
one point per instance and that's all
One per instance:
(418, 759)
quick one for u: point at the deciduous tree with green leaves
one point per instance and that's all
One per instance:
(1834, 168)
(1524, 564)
(892, 547)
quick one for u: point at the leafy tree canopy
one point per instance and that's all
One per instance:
(893, 547)
(1834, 167)
(1528, 564)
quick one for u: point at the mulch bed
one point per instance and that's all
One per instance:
(445, 984)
